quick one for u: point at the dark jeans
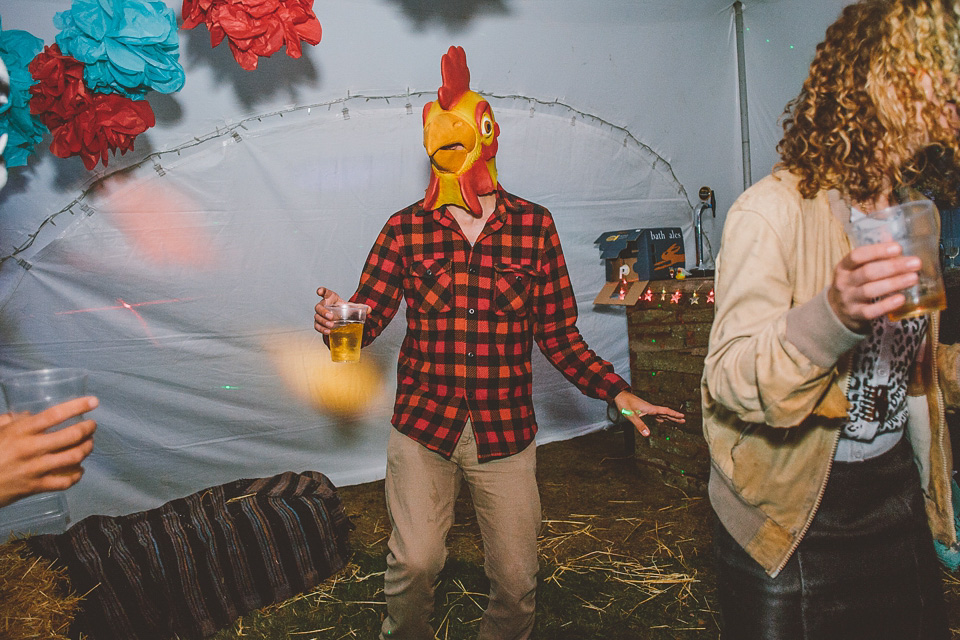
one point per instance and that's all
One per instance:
(865, 569)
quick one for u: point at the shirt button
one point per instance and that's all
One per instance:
(472, 269)
(471, 355)
(471, 311)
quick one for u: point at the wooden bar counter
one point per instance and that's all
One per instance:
(668, 330)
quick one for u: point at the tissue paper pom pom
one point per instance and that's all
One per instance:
(83, 123)
(24, 131)
(111, 123)
(59, 93)
(255, 28)
(129, 47)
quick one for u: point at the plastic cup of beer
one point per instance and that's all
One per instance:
(347, 333)
(915, 226)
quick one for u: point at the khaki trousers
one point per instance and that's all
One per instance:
(421, 488)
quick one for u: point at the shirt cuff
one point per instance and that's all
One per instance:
(617, 386)
(817, 332)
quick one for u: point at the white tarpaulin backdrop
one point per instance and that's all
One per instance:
(185, 283)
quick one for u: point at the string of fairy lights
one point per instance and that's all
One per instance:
(677, 296)
(234, 130)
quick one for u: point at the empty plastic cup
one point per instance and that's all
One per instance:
(35, 391)
(32, 392)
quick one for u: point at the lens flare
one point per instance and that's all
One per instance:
(161, 222)
(343, 389)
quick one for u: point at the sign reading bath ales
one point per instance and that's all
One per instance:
(633, 257)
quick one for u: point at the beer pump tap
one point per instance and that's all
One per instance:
(707, 201)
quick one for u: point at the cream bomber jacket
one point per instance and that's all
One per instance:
(775, 375)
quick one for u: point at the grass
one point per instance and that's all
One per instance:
(631, 568)
(597, 594)
(638, 566)
(581, 604)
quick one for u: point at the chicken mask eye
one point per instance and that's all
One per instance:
(486, 124)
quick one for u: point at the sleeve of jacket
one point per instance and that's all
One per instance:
(770, 360)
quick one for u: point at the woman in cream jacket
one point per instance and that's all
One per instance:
(825, 421)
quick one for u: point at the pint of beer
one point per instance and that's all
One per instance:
(916, 227)
(347, 335)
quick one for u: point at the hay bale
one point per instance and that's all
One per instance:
(35, 598)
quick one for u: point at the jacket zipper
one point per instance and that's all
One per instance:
(941, 420)
(943, 459)
(823, 489)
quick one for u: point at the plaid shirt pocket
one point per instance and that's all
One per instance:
(511, 288)
(432, 290)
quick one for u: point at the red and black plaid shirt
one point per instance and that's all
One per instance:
(472, 316)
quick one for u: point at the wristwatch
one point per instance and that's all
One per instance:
(614, 415)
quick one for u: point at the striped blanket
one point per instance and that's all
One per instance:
(194, 565)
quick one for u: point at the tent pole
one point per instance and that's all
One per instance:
(742, 76)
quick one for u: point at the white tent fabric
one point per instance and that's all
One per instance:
(183, 278)
(186, 287)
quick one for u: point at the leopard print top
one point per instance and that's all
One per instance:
(877, 390)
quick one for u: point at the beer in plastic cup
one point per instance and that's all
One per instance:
(347, 333)
(915, 227)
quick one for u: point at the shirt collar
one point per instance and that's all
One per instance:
(501, 210)
(839, 207)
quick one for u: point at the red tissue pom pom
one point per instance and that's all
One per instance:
(83, 123)
(255, 28)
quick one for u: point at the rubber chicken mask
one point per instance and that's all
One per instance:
(460, 136)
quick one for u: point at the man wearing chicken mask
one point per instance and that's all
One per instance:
(483, 276)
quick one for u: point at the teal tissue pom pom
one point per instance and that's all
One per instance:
(128, 47)
(17, 49)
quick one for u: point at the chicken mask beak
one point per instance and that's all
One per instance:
(451, 143)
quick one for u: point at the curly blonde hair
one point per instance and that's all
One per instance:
(864, 111)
